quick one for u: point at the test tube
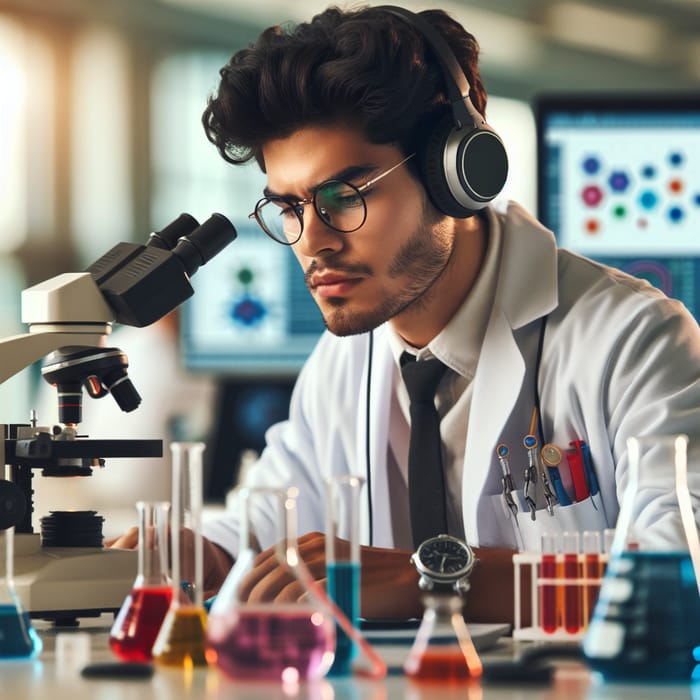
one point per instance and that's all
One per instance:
(343, 560)
(592, 571)
(548, 591)
(181, 640)
(608, 537)
(572, 584)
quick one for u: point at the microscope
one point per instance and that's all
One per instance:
(63, 572)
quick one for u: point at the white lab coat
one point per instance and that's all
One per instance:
(619, 360)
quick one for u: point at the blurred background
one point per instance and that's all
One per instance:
(101, 142)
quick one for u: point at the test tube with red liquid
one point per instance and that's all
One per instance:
(592, 570)
(548, 591)
(571, 573)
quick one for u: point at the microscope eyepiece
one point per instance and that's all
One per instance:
(143, 283)
(168, 237)
(201, 245)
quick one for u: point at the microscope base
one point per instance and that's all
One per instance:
(65, 583)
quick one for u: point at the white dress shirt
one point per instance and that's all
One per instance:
(457, 346)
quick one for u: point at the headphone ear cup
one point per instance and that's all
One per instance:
(432, 164)
(463, 169)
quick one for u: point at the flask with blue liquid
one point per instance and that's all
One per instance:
(646, 623)
(18, 638)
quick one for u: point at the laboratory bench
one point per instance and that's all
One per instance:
(55, 674)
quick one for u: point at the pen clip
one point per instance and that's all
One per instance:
(530, 481)
(507, 479)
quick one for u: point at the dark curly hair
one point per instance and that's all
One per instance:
(365, 68)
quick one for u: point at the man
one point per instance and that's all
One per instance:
(342, 114)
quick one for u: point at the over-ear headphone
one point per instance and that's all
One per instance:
(463, 160)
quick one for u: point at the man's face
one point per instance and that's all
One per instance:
(385, 268)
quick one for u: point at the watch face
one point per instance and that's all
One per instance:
(445, 558)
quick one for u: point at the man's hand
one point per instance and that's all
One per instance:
(217, 562)
(389, 580)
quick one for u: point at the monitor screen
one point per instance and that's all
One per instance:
(251, 313)
(619, 182)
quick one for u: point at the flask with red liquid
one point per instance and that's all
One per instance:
(443, 651)
(140, 618)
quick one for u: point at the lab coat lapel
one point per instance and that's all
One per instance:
(380, 402)
(497, 385)
(525, 292)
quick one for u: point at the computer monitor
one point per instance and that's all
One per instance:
(619, 182)
(251, 313)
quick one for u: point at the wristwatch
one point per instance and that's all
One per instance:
(444, 564)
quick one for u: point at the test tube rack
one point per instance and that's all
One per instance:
(563, 592)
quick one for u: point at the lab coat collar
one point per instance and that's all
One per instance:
(527, 287)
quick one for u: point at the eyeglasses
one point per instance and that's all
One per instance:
(340, 205)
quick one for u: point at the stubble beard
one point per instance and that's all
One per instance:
(422, 260)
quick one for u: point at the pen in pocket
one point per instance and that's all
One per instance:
(551, 456)
(583, 451)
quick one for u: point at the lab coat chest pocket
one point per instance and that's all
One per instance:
(526, 533)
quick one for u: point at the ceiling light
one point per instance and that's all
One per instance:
(607, 31)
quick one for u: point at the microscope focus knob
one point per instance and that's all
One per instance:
(12, 504)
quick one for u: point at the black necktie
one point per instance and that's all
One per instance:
(426, 482)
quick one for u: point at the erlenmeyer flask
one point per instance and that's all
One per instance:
(181, 640)
(286, 642)
(443, 650)
(18, 638)
(141, 616)
(646, 623)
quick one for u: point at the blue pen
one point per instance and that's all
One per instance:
(551, 456)
(588, 466)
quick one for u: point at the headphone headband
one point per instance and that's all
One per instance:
(463, 162)
(458, 86)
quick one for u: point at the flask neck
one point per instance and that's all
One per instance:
(153, 531)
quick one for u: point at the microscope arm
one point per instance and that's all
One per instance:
(20, 351)
(65, 311)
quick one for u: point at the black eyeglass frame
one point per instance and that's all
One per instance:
(297, 205)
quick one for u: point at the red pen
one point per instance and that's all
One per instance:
(578, 472)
